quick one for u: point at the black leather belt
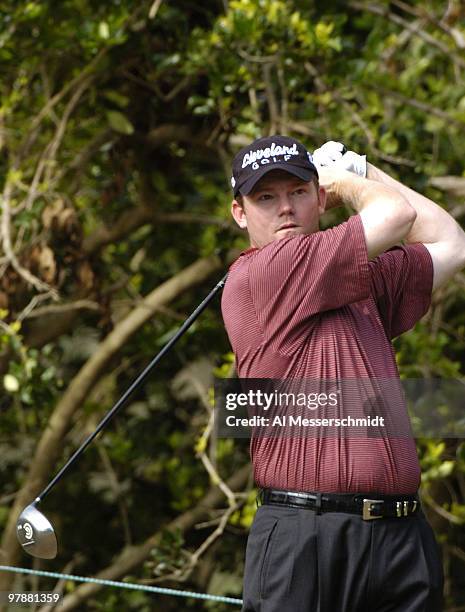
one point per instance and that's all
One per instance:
(370, 506)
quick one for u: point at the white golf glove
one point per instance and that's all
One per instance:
(336, 153)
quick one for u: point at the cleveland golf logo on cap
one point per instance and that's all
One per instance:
(264, 155)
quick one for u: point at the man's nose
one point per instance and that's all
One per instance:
(285, 205)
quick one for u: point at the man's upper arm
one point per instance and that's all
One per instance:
(385, 226)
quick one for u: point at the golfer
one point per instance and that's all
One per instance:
(340, 527)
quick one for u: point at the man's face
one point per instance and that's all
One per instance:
(281, 205)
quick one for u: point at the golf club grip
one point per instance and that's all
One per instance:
(139, 380)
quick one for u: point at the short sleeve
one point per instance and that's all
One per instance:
(293, 279)
(401, 282)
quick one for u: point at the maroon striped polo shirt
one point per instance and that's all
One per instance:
(314, 307)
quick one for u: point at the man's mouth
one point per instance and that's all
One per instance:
(286, 226)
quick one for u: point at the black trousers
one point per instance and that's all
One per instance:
(298, 561)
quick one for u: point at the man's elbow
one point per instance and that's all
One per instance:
(456, 248)
(448, 257)
(410, 215)
(405, 217)
(461, 253)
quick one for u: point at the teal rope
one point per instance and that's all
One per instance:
(123, 585)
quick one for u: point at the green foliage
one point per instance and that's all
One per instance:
(167, 555)
(422, 354)
(120, 123)
(245, 516)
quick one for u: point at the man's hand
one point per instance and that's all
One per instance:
(336, 181)
(335, 154)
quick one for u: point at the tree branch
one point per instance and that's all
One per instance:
(82, 76)
(419, 104)
(154, 9)
(8, 249)
(129, 221)
(454, 185)
(45, 163)
(322, 86)
(384, 12)
(270, 96)
(33, 312)
(84, 156)
(422, 13)
(138, 216)
(173, 132)
(440, 510)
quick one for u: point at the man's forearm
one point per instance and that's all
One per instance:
(432, 224)
(344, 188)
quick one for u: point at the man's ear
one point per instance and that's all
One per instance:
(238, 213)
(321, 199)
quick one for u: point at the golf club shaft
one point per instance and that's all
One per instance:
(139, 380)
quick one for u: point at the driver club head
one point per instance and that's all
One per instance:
(35, 533)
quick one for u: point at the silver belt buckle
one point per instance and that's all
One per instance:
(368, 508)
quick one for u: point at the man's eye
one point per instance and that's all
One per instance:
(299, 191)
(265, 196)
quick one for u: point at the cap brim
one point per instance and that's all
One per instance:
(306, 174)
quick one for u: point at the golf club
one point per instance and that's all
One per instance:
(34, 531)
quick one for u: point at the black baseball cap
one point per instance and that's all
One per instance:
(266, 154)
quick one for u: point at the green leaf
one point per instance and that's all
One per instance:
(104, 30)
(117, 98)
(10, 383)
(120, 123)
